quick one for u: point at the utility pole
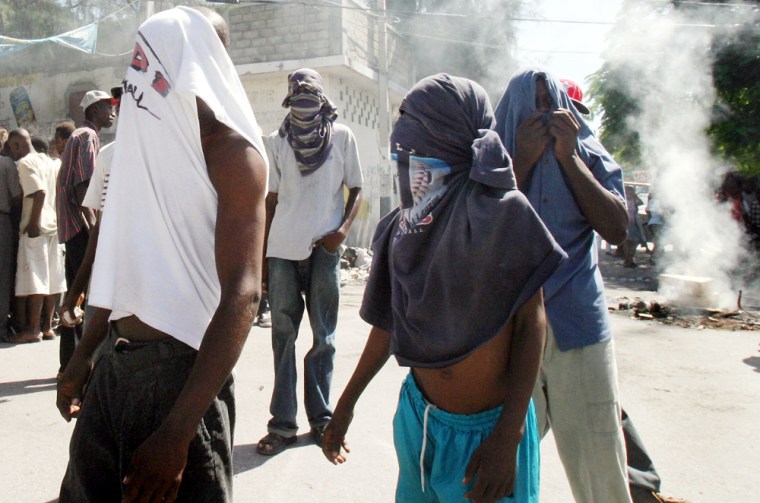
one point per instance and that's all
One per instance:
(147, 9)
(384, 112)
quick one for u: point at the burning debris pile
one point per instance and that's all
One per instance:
(699, 318)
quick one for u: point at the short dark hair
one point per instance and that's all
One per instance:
(218, 22)
(64, 130)
(40, 144)
(15, 132)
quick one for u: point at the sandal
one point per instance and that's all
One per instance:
(318, 434)
(274, 443)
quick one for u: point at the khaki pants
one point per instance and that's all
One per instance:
(577, 396)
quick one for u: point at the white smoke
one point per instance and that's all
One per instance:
(666, 56)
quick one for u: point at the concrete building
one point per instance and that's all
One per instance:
(366, 66)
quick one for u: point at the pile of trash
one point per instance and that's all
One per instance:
(721, 319)
(355, 264)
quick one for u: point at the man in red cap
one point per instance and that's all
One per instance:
(74, 220)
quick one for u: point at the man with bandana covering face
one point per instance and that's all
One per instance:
(472, 336)
(312, 161)
(577, 189)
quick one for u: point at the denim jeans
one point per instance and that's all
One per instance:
(317, 279)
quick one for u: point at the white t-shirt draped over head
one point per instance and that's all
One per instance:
(156, 254)
(308, 207)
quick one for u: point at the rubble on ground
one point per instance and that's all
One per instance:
(355, 264)
(668, 314)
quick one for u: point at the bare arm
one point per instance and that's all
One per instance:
(33, 227)
(238, 173)
(604, 210)
(376, 353)
(71, 384)
(87, 213)
(495, 460)
(332, 241)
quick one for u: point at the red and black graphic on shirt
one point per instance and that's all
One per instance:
(140, 63)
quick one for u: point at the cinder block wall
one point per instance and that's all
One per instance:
(262, 33)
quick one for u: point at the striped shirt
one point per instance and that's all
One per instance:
(78, 163)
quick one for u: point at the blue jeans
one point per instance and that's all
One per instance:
(316, 278)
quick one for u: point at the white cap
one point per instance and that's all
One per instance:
(95, 96)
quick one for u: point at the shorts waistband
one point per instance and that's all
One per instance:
(476, 421)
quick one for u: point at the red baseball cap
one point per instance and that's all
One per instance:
(575, 94)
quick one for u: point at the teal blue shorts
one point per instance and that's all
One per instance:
(433, 457)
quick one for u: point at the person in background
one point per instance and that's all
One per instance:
(40, 277)
(655, 223)
(74, 220)
(63, 132)
(635, 235)
(312, 159)
(94, 199)
(730, 192)
(10, 199)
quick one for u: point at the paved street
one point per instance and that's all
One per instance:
(693, 394)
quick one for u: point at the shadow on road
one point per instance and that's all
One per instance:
(753, 361)
(24, 387)
(246, 458)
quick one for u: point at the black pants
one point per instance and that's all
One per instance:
(642, 476)
(131, 391)
(75, 250)
(263, 304)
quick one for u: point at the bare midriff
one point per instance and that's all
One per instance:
(475, 384)
(134, 330)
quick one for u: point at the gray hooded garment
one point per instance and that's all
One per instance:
(452, 282)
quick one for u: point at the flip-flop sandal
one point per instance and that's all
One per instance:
(274, 443)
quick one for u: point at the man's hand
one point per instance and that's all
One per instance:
(331, 241)
(564, 127)
(32, 230)
(334, 436)
(70, 388)
(156, 470)
(68, 306)
(494, 463)
(532, 139)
